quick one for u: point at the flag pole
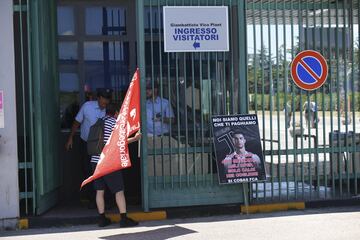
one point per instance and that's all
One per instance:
(139, 146)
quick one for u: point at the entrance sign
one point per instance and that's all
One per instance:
(309, 70)
(196, 28)
(2, 120)
(238, 149)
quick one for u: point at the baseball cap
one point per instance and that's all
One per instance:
(104, 92)
(149, 84)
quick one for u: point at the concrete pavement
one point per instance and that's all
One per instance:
(320, 224)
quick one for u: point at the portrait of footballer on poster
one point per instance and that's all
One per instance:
(238, 149)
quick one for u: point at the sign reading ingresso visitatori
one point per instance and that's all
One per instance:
(196, 28)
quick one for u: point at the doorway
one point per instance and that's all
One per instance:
(96, 49)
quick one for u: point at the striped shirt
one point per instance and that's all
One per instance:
(109, 123)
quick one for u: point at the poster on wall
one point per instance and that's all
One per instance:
(195, 28)
(238, 149)
(2, 109)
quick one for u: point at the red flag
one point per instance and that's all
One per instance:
(115, 154)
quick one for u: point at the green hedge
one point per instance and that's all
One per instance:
(324, 101)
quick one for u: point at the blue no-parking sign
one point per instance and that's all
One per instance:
(309, 70)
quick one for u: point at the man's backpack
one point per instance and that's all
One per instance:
(95, 142)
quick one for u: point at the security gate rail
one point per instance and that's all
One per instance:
(25, 132)
(310, 139)
(180, 168)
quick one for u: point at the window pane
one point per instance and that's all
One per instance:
(69, 98)
(67, 51)
(105, 21)
(69, 82)
(107, 65)
(153, 20)
(65, 20)
(93, 51)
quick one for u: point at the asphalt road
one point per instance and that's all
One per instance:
(320, 224)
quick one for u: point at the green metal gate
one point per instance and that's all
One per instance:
(309, 155)
(37, 104)
(180, 168)
(310, 139)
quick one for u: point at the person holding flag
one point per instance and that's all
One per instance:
(114, 181)
(115, 154)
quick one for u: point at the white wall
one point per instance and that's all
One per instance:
(9, 190)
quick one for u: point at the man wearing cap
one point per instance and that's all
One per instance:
(88, 114)
(159, 112)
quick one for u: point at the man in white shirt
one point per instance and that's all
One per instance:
(159, 112)
(88, 114)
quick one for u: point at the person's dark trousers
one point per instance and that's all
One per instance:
(88, 189)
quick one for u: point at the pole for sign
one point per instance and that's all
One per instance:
(246, 197)
(243, 107)
(139, 144)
